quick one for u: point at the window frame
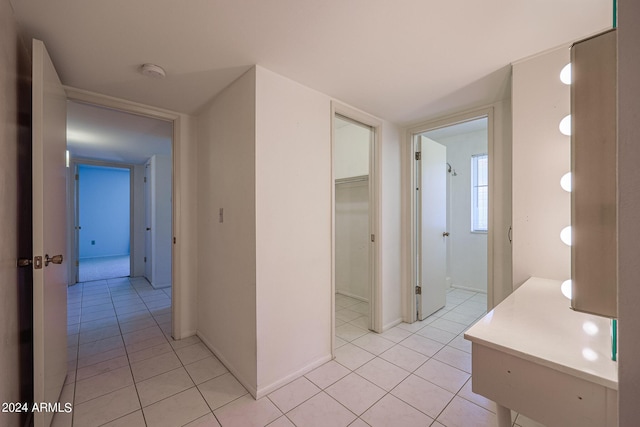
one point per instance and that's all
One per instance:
(475, 187)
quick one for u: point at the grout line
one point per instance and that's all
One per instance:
(183, 366)
(444, 345)
(133, 378)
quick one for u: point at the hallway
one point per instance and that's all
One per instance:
(125, 370)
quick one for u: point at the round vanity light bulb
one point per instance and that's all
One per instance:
(565, 74)
(565, 125)
(565, 235)
(565, 182)
(566, 288)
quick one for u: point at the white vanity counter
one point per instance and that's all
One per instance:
(535, 355)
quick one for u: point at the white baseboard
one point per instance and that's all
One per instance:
(263, 391)
(187, 334)
(251, 388)
(347, 294)
(391, 324)
(161, 286)
(469, 288)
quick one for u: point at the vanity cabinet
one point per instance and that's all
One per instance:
(534, 355)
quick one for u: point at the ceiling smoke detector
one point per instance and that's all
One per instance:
(153, 71)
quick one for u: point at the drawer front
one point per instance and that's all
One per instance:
(548, 396)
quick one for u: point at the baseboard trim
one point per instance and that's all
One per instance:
(347, 294)
(391, 324)
(263, 391)
(187, 334)
(468, 288)
(251, 388)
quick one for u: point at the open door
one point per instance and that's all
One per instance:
(432, 222)
(49, 233)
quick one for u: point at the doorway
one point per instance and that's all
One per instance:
(451, 213)
(103, 213)
(355, 206)
(126, 146)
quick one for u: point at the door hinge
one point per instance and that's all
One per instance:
(418, 155)
(418, 290)
(373, 237)
(77, 177)
(145, 259)
(77, 263)
(174, 240)
(145, 179)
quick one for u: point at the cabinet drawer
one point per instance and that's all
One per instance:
(546, 395)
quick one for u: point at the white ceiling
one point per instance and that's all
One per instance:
(401, 60)
(103, 134)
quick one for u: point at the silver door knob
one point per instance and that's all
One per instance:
(56, 259)
(445, 234)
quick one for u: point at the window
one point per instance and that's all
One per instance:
(479, 193)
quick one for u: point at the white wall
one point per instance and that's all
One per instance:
(293, 228)
(466, 251)
(541, 155)
(264, 275)
(226, 293)
(390, 178)
(13, 57)
(351, 144)
(352, 239)
(628, 208)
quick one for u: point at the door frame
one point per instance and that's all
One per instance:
(375, 288)
(75, 211)
(411, 267)
(180, 130)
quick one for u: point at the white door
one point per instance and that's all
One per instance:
(148, 235)
(432, 222)
(49, 233)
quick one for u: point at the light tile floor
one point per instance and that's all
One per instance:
(102, 268)
(125, 370)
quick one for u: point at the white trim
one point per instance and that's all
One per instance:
(354, 296)
(468, 288)
(227, 364)
(408, 294)
(374, 213)
(258, 393)
(263, 391)
(392, 324)
(80, 95)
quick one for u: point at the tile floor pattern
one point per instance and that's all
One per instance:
(125, 370)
